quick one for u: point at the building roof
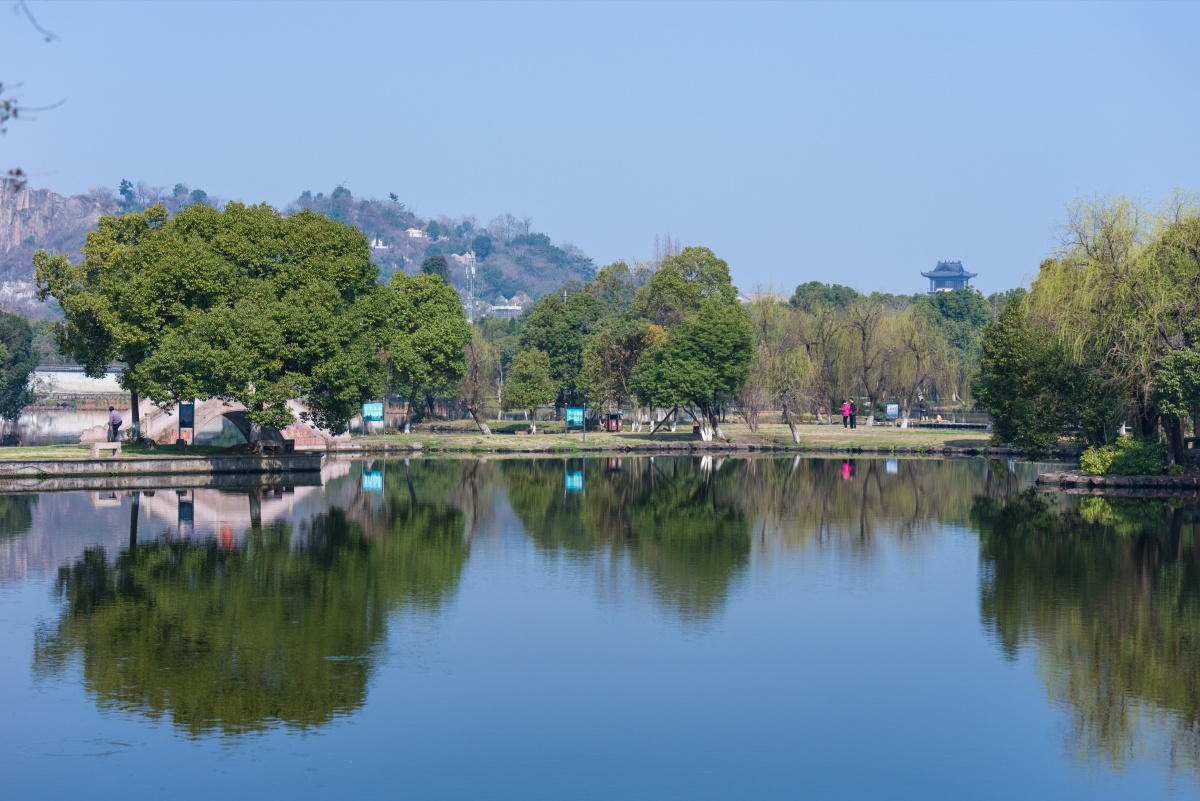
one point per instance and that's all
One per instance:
(949, 269)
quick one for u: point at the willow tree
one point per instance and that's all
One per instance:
(1122, 295)
(870, 331)
(919, 360)
(480, 361)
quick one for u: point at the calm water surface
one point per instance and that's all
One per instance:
(603, 628)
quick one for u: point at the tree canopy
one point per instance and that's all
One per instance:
(240, 303)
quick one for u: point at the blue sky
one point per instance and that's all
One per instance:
(858, 143)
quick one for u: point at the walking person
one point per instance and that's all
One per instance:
(114, 425)
(846, 414)
(853, 414)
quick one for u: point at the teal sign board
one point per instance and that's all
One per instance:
(373, 411)
(372, 481)
(574, 482)
(575, 417)
(187, 415)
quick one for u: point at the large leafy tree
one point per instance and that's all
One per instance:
(426, 332)
(559, 327)
(242, 304)
(702, 363)
(681, 284)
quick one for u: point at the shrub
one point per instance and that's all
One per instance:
(1097, 461)
(1128, 457)
(1139, 457)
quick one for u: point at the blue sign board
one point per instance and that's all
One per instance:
(575, 417)
(372, 481)
(187, 415)
(574, 481)
(373, 411)
(893, 411)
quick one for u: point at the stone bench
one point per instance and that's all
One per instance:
(115, 447)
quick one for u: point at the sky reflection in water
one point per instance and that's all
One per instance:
(669, 627)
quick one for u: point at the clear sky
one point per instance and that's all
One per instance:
(857, 143)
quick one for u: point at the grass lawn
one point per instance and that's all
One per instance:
(551, 436)
(463, 436)
(128, 451)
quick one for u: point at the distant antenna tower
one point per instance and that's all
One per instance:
(471, 291)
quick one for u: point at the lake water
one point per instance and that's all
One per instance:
(603, 629)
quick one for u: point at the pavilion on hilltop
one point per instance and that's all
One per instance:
(948, 276)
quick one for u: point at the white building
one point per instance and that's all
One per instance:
(505, 312)
(416, 233)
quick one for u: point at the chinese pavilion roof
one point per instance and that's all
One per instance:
(949, 269)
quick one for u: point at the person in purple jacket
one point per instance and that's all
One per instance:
(114, 425)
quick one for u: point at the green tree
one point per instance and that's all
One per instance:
(1018, 380)
(241, 304)
(560, 328)
(426, 332)
(702, 363)
(436, 265)
(17, 361)
(815, 293)
(481, 246)
(529, 385)
(681, 284)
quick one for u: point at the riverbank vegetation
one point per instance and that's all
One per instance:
(244, 304)
(1108, 337)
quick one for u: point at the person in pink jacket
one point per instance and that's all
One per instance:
(846, 414)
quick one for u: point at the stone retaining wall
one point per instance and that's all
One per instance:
(1073, 479)
(46, 468)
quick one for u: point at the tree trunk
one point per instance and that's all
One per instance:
(479, 421)
(136, 417)
(655, 426)
(791, 424)
(703, 421)
(1174, 428)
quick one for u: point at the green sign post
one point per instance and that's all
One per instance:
(576, 417)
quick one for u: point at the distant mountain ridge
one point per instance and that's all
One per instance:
(510, 260)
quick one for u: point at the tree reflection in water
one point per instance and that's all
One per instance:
(16, 514)
(687, 523)
(282, 628)
(1107, 591)
(678, 520)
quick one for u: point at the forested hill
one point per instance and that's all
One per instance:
(510, 258)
